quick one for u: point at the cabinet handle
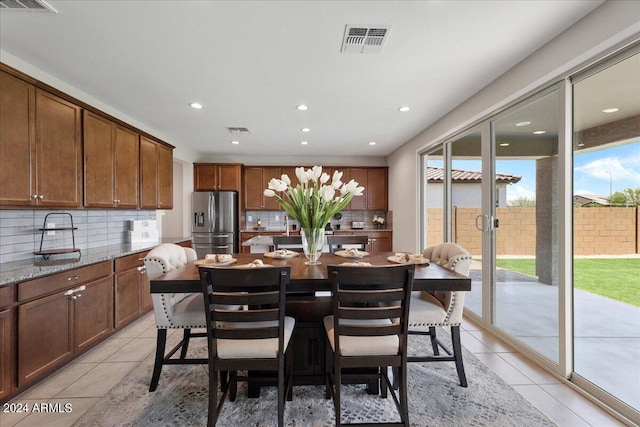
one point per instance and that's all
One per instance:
(73, 278)
(142, 270)
(34, 196)
(72, 292)
(40, 196)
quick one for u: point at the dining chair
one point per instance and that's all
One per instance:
(293, 243)
(173, 310)
(368, 329)
(253, 339)
(441, 308)
(337, 243)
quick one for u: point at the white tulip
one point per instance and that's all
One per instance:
(277, 185)
(336, 184)
(324, 178)
(337, 176)
(301, 175)
(327, 192)
(286, 178)
(317, 171)
(269, 193)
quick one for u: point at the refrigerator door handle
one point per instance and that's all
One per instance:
(213, 203)
(210, 211)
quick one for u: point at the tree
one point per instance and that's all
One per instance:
(523, 201)
(626, 197)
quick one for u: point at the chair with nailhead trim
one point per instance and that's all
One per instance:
(441, 308)
(174, 310)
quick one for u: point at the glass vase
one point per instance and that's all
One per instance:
(312, 243)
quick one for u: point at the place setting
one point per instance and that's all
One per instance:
(282, 254)
(408, 258)
(216, 260)
(352, 253)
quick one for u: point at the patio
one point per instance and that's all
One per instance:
(607, 332)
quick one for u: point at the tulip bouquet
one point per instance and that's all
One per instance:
(316, 197)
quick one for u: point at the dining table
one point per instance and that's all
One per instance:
(309, 300)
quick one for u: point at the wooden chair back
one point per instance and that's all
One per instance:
(293, 243)
(337, 243)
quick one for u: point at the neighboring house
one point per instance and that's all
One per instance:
(465, 190)
(587, 200)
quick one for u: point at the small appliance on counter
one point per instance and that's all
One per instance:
(357, 225)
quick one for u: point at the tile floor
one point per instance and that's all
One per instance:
(84, 381)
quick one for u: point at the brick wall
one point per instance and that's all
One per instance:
(598, 231)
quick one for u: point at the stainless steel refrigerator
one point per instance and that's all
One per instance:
(214, 222)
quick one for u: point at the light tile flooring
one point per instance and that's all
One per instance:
(84, 381)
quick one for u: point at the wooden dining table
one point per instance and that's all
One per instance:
(308, 301)
(313, 278)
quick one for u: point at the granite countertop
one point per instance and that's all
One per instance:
(12, 272)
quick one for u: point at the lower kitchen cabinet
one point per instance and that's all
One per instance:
(132, 289)
(73, 313)
(7, 361)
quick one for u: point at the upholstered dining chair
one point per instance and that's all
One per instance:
(337, 243)
(368, 329)
(441, 308)
(293, 243)
(255, 338)
(173, 310)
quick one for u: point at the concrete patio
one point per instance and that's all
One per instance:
(607, 332)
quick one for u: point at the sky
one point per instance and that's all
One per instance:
(594, 172)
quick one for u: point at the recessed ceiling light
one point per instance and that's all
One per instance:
(539, 132)
(302, 107)
(372, 143)
(520, 124)
(404, 109)
(305, 130)
(235, 142)
(196, 105)
(610, 110)
(504, 144)
(303, 142)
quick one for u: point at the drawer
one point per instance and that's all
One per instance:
(130, 261)
(67, 279)
(6, 296)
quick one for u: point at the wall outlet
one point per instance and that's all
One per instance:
(249, 218)
(51, 225)
(277, 218)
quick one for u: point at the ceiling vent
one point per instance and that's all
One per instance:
(364, 38)
(31, 5)
(237, 130)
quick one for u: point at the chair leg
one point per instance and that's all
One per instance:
(289, 376)
(232, 383)
(434, 340)
(337, 381)
(383, 383)
(457, 354)
(281, 392)
(404, 401)
(185, 344)
(212, 411)
(161, 342)
(328, 366)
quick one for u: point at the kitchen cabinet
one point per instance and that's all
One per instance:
(40, 148)
(256, 180)
(132, 289)
(376, 188)
(7, 325)
(156, 175)
(17, 141)
(379, 240)
(110, 164)
(217, 177)
(60, 316)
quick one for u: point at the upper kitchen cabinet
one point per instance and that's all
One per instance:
(40, 147)
(256, 179)
(17, 141)
(156, 175)
(376, 188)
(110, 164)
(217, 177)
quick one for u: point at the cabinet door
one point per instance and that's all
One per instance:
(7, 362)
(204, 177)
(165, 177)
(45, 337)
(126, 153)
(360, 175)
(148, 174)
(98, 161)
(93, 310)
(17, 142)
(270, 203)
(253, 188)
(229, 177)
(377, 189)
(127, 297)
(58, 151)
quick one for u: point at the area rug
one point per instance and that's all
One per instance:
(435, 399)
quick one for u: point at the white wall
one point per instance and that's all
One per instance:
(606, 27)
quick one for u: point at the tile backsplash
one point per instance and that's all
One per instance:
(274, 220)
(20, 230)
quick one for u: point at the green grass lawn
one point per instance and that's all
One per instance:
(616, 278)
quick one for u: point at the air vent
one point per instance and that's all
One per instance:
(238, 130)
(31, 5)
(364, 38)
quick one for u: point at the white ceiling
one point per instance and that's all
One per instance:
(251, 62)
